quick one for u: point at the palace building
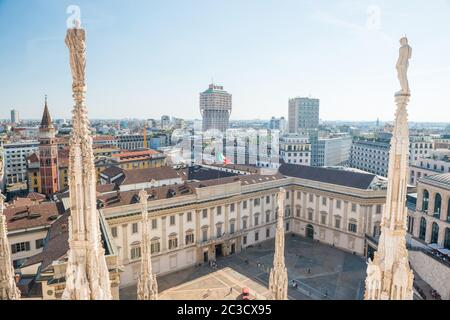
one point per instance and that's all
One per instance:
(204, 217)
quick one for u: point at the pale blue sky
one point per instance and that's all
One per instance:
(148, 58)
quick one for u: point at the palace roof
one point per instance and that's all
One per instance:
(32, 216)
(332, 176)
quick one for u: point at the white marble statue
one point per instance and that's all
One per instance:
(405, 53)
(76, 41)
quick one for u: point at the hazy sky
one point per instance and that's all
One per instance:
(148, 58)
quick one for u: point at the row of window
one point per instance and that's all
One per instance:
(434, 233)
(25, 246)
(172, 221)
(352, 226)
(437, 204)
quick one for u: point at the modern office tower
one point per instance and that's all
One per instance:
(303, 117)
(48, 154)
(15, 116)
(215, 108)
(303, 114)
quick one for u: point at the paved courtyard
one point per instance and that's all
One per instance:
(320, 271)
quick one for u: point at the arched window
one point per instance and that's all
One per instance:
(447, 238)
(434, 232)
(437, 205)
(448, 210)
(426, 199)
(423, 228)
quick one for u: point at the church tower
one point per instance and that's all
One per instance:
(48, 154)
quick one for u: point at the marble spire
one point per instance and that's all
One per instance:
(389, 276)
(87, 276)
(278, 281)
(8, 288)
(147, 288)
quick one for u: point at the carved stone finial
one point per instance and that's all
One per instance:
(147, 288)
(278, 280)
(8, 288)
(87, 275)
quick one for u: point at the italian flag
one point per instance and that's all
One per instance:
(222, 158)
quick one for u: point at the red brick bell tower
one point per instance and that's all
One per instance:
(48, 154)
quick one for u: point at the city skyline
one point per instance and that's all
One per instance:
(256, 60)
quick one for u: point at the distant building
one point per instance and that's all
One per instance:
(130, 141)
(443, 142)
(105, 140)
(420, 146)
(15, 116)
(370, 155)
(178, 123)
(151, 123)
(295, 149)
(434, 163)
(215, 108)
(303, 117)
(15, 154)
(278, 124)
(333, 151)
(165, 122)
(303, 114)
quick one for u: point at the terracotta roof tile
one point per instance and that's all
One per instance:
(43, 214)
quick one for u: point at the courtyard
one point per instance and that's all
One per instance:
(319, 271)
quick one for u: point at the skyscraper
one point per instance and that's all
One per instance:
(215, 108)
(48, 154)
(15, 116)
